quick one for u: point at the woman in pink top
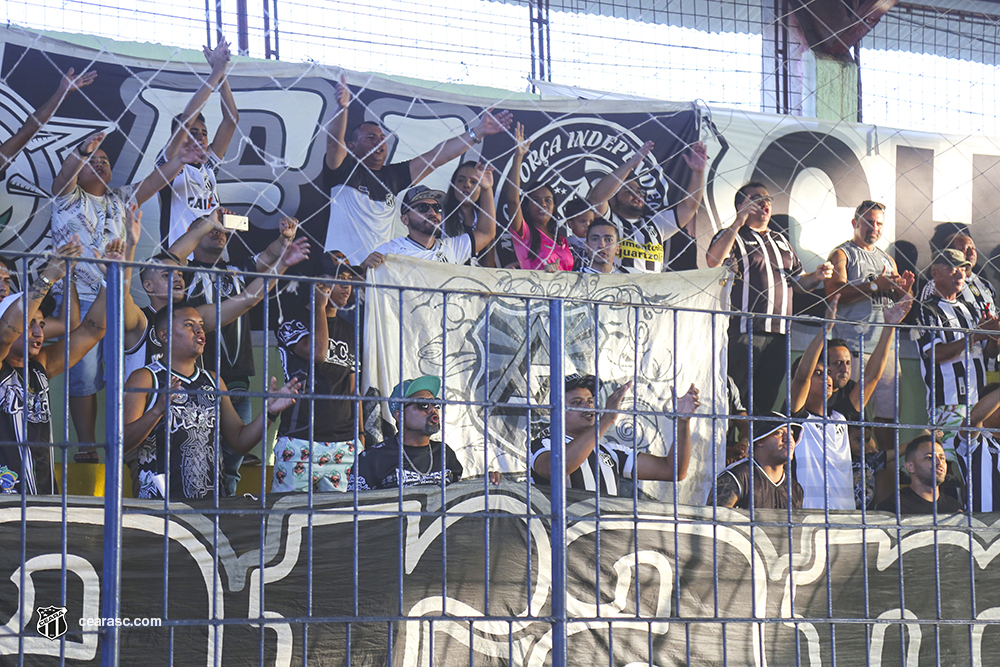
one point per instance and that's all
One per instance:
(537, 244)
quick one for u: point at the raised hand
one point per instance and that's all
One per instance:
(485, 176)
(295, 252)
(897, 312)
(133, 225)
(689, 402)
(640, 154)
(218, 57)
(614, 401)
(521, 146)
(831, 311)
(288, 227)
(697, 157)
(192, 153)
(493, 122)
(71, 83)
(341, 93)
(91, 143)
(285, 396)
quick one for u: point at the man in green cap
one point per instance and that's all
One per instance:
(414, 406)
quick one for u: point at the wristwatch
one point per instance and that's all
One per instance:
(872, 285)
(472, 135)
(45, 280)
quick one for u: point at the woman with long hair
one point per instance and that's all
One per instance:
(469, 201)
(538, 242)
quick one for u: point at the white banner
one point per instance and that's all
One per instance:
(486, 332)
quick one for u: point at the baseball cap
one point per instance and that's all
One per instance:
(951, 257)
(577, 381)
(420, 193)
(767, 423)
(408, 388)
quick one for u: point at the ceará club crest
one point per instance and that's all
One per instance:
(573, 154)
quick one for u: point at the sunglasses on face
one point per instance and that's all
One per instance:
(424, 208)
(761, 199)
(425, 407)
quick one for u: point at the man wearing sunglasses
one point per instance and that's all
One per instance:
(414, 406)
(767, 272)
(422, 216)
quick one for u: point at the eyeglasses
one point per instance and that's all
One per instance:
(424, 208)
(762, 199)
(425, 407)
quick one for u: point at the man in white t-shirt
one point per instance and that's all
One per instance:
(87, 206)
(363, 189)
(193, 193)
(422, 214)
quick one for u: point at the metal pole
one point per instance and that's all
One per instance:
(557, 479)
(114, 359)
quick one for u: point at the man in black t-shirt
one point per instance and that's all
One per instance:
(316, 437)
(414, 405)
(363, 188)
(928, 466)
(234, 363)
(765, 475)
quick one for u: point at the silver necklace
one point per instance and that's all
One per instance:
(413, 466)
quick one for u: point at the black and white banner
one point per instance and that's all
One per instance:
(654, 591)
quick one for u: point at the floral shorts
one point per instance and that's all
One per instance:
(332, 463)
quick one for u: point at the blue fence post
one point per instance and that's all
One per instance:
(557, 392)
(114, 360)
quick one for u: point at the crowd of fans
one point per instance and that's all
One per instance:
(189, 359)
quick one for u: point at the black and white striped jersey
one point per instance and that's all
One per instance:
(979, 460)
(956, 381)
(765, 265)
(605, 466)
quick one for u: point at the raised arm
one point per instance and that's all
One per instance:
(242, 438)
(12, 321)
(235, 306)
(606, 188)
(315, 347)
(661, 468)
(218, 59)
(199, 229)
(722, 244)
(580, 447)
(134, 319)
(486, 222)
(510, 193)
(807, 364)
(65, 180)
(230, 119)
(83, 338)
(984, 409)
(287, 229)
(68, 84)
(336, 130)
(880, 356)
(190, 153)
(810, 281)
(697, 160)
(448, 150)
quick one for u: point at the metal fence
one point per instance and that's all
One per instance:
(477, 573)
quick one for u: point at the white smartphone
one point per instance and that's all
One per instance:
(237, 223)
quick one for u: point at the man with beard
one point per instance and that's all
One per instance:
(867, 281)
(183, 417)
(952, 351)
(363, 188)
(928, 466)
(422, 215)
(413, 456)
(767, 272)
(592, 465)
(765, 477)
(647, 244)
